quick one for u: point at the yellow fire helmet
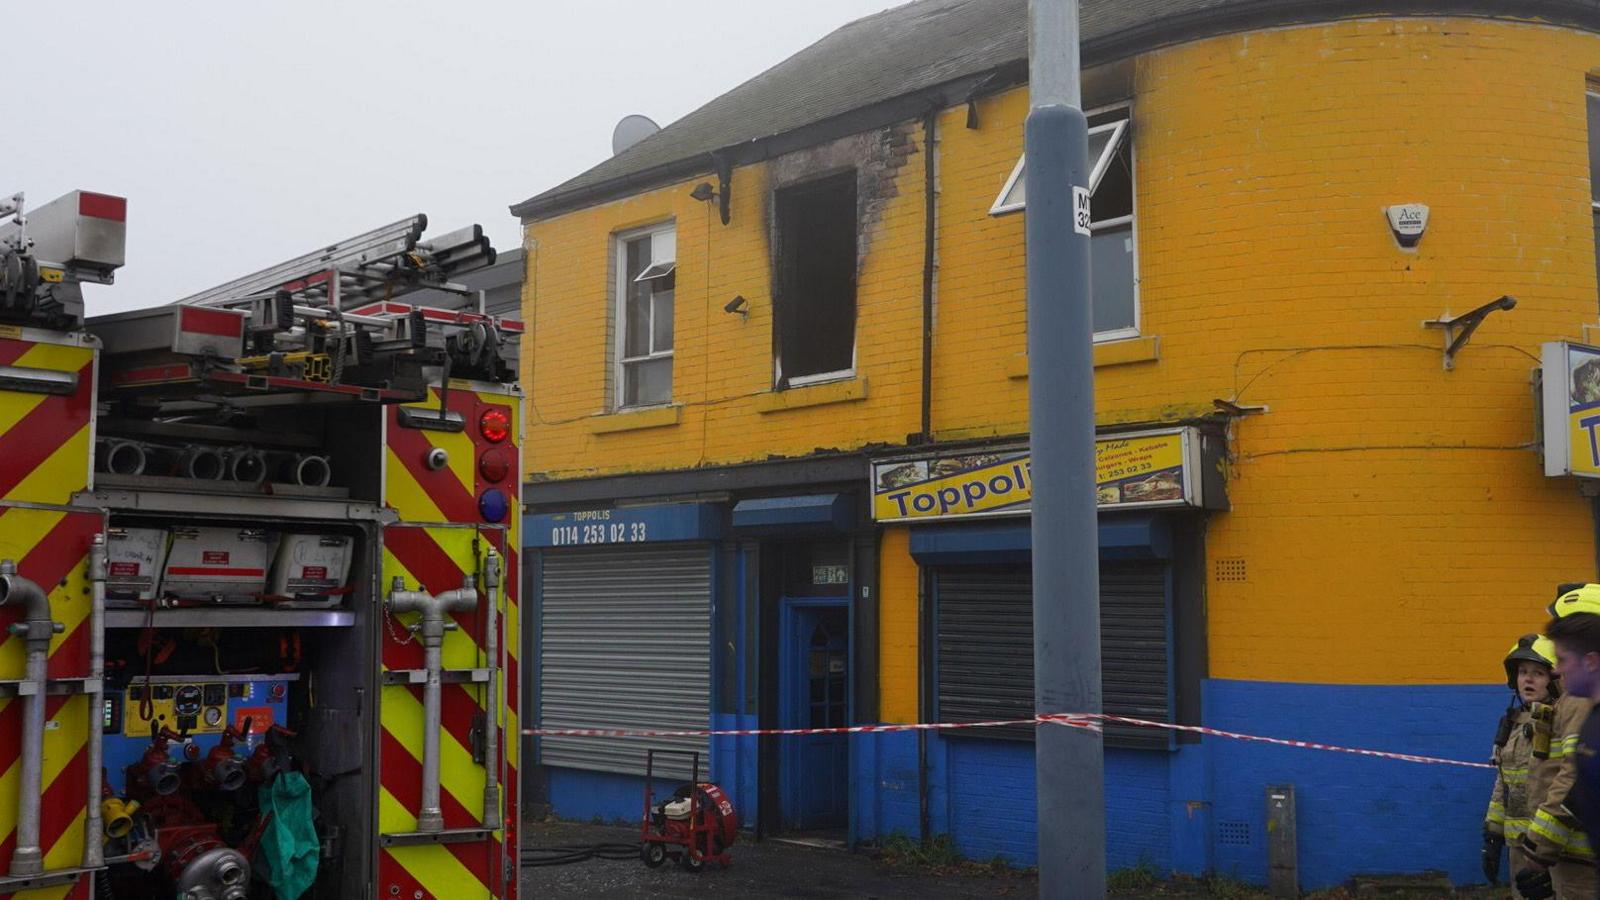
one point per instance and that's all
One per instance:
(1529, 648)
(1575, 598)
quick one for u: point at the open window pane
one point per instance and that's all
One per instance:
(648, 382)
(1014, 195)
(816, 301)
(1104, 143)
(663, 257)
(1111, 272)
(1113, 197)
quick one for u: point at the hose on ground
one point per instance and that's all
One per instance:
(575, 853)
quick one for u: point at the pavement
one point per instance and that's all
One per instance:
(766, 869)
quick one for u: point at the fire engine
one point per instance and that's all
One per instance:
(258, 573)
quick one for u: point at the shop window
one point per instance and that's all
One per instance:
(1112, 254)
(984, 645)
(1593, 100)
(814, 334)
(647, 275)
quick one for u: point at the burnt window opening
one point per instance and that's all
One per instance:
(814, 334)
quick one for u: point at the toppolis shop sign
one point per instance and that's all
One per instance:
(1571, 409)
(1151, 469)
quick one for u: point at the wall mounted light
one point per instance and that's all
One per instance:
(704, 192)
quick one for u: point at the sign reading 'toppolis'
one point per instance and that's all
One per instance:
(1140, 470)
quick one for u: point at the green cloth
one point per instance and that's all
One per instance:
(289, 848)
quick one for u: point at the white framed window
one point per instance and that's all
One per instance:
(646, 266)
(1113, 244)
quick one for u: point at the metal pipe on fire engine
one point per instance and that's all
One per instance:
(35, 628)
(309, 470)
(247, 465)
(491, 725)
(120, 457)
(93, 842)
(435, 610)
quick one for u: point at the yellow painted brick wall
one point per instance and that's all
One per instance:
(1383, 503)
(723, 366)
(897, 628)
(1394, 525)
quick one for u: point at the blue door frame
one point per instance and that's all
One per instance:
(813, 770)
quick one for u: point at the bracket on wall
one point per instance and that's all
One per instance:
(1238, 410)
(1458, 329)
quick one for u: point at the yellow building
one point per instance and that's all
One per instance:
(779, 420)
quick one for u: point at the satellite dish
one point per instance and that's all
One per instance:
(631, 130)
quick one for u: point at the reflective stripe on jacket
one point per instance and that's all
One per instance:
(1553, 831)
(1508, 802)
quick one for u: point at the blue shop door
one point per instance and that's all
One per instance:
(816, 768)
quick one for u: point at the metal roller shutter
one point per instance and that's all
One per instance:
(985, 647)
(625, 643)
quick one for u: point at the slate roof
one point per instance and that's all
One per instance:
(925, 44)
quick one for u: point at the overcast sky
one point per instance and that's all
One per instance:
(246, 134)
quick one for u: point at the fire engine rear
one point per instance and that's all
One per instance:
(258, 570)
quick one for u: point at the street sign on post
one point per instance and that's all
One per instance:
(1066, 567)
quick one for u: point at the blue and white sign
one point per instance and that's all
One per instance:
(624, 525)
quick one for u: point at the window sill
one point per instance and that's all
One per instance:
(1110, 353)
(635, 419)
(812, 395)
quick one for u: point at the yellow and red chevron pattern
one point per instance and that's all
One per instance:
(437, 557)
(51, 547)
(444, 537)
(45, 452)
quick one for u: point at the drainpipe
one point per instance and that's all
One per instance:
(93, 841)
(491, 724)
(35, 628)
(432, 626)
(930, 224)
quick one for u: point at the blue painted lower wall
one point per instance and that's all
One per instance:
(615, 799)
(980, 793)
(1202, 807)
(1195, 808)
(582, 795)
(1355, 814)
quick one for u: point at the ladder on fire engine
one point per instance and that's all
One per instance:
(379, 265)
(325, 322)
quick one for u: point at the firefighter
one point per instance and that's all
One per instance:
(1575, 631)
(1528, 665)
(1557, 860)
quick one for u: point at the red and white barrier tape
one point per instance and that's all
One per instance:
(1075, 721)
(1284, 742)
(1089, 721)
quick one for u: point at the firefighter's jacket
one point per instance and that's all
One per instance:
(1508, 803)
(1553, 832)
